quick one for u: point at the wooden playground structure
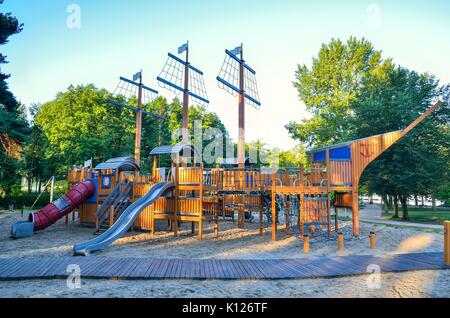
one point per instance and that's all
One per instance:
(300, 198)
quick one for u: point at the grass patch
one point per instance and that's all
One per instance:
(425, 215)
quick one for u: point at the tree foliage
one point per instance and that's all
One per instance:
(80, 124)
(351, 92)
(13, 126)
(330, 86)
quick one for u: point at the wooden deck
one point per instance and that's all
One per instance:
(204, 269)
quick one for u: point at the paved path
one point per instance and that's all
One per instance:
(204, 269)
(373, 214)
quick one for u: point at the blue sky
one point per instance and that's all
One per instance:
(119, 37)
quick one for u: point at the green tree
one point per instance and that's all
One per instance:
(13, 126)
(330, 86)
(80, 124)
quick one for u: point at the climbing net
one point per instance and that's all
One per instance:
(129, 92)
(172, 73)
(197, 86)
(251, 89)
(230, 74)
(172, 78)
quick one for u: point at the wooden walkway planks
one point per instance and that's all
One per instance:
(227, 269)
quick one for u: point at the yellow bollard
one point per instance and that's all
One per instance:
(447, 243)
(372, 240)
(305, 244)
(340, 241)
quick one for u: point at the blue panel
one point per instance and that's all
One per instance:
(335, 154)
(320, 156)
(22, 229)
(106, 181)
(93, 198)
(340, 154)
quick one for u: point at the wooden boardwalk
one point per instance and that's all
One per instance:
(150, 268)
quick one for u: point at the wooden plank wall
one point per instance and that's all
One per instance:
(341, 173)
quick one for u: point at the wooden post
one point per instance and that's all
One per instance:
(288, 206)
(312, 229)
(340, 241)
(200, 224)
(447, 242)
(274, 216)
(336, 219)
(355, 211)
(111, 216)
(261, 216)
(305, 244)
(372, 240)
(328, 167)
(216, 216)
(67, 219)
(177, 195)
(155, 165)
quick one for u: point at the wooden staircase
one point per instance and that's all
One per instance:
(113, 206)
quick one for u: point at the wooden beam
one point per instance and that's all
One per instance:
(421, 118)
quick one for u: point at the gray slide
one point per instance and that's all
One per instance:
(124, 222)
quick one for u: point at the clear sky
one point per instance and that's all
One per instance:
(119, 37)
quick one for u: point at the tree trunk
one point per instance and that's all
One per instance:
(404, 202)
(416, 200)
(423, 201)
(40, 186)
(433, 200)
(395, 207)
(30, 183)
(390, 203)
(384, 206)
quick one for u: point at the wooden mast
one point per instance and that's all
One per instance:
(185, 132)
(137, 145)
(241, 97)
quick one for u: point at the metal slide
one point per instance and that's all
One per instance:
(124, 222)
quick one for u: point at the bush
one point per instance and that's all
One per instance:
(25, 199)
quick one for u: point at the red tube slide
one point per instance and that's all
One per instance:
(59, 208)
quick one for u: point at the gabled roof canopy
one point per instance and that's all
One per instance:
(120, 163)
(183, 150)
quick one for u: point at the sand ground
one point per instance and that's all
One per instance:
(231, 243)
